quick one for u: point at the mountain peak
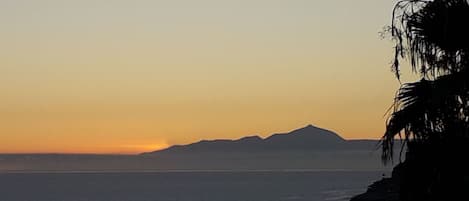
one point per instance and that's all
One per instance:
(310, 129)
(309, 126)
(250, 138)
(310, 134)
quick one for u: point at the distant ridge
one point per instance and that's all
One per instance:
(306, 139)
(307, 148)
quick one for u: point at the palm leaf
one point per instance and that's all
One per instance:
(425, 109)
(433, 35)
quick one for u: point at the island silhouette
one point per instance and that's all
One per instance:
(306, 148)
(306, 139)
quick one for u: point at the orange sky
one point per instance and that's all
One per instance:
(131, 76)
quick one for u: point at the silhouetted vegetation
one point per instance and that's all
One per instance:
(432, 114)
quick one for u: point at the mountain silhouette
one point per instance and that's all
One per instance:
(306, 139)
(309, 147)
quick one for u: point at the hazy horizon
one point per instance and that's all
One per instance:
(306, 149)
(170, 145)
(134, 76)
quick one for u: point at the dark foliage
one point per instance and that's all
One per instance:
(434, 37)
(431, 115)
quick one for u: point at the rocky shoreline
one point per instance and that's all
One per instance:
(382, 190)
(386, 189)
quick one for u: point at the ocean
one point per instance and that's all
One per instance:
(292, 185)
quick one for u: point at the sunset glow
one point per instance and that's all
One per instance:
(135, 76)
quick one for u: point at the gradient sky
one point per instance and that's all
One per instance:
(126, 76)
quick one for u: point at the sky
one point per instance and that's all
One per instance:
(128, 76)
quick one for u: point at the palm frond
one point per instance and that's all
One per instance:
(431, 34)
(425, 109)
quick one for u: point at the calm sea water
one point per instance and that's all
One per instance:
(186, 186)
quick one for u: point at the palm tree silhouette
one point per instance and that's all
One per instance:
(431, 116)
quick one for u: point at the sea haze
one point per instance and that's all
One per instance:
(186, 186)
(307, 164)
